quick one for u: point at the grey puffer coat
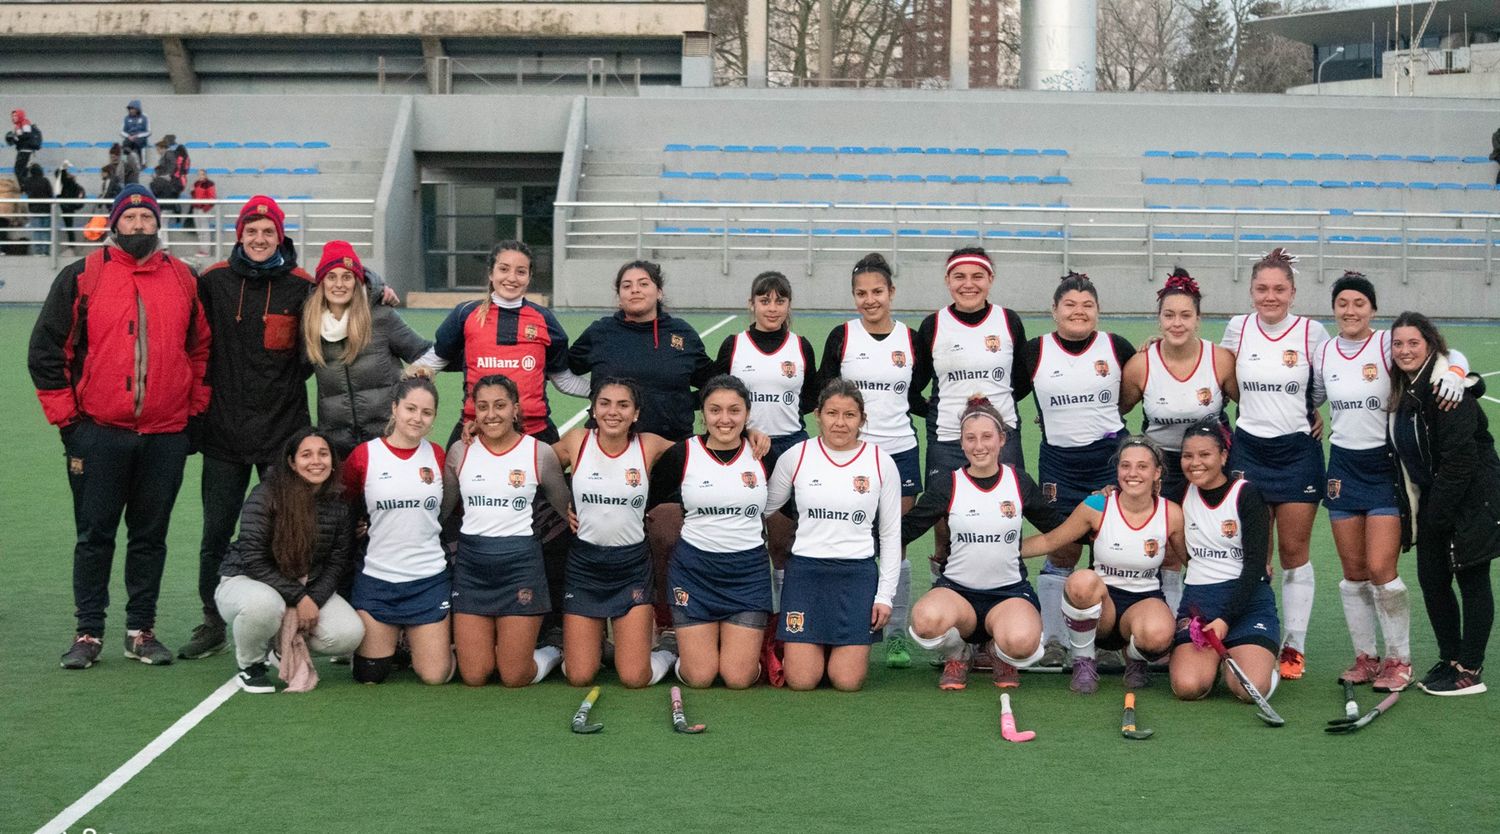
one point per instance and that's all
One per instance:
(354, 400)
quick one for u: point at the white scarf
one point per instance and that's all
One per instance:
(335, 329)
(508, 305)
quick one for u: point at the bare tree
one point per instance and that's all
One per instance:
(866, 38)
(726, 19)
(1139, 42)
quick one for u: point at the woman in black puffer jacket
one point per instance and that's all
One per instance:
(1449, 487)
(292, 550)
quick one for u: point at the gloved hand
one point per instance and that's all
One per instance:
(1449, 386)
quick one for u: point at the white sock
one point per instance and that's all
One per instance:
(1049, 591)
(1083, 627)
(1021, 662)
(1135, 654)
(677, 670)
(945, 645)
(547, 658)
(1393, 606)
(1275, 680)
(1297, 588)
(778, 576)
(1359, 613)
(1171, 588)
(662, 662)
(901, 606)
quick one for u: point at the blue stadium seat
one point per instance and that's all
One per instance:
(1157, 207)
(1304, 183)
(1428, 241)
(1360, 157)
(1273, 155)
(1244, 155)
(1447, 158)
(1246, 182)
(1184, 154)
(939, 203)
(674, 175)
(820, 176)
(256, 146)
(733, 175)
(668, 230)
(783, 230)
(1450, 186)
(791, 176)
(104, 146)
(877, 232)
(1422, 186)
(706, 148)
(939, 233)
(1479, 186)
(306, 172)
(1221, 236)
(996, 179)
(851, 177)
(967, 179)
(909, 178)
(226, 146)
(1157, 181)
(1333, 184)
(49, 144)
(997, 151)
(704, 175)
(966, 151)
(794, 149)
(822, 149)
(939, 178)
(315, 145)
(1362, 184)
(847, 232)
(909, 232)
(880, 178)
(1253, 236)
(1340, 212)
(1054, 152)
(763, 149)
(285, 145)
(1341, 238)
(196, 146)
(1215, 155)
(1274, 183)
(1331, 157)
(1025, 179)
(1463, 241)
(762, 176)
(938, 151)
(1418, 157)
(247, 170)
(998, 233)
(1476, 160)
(1055, 179)
(1301, 156)
(908, 149)
(755, 230)
(1025, 152)
(1185, 181)
(1390, 157)
(879, 149)
(78, 145)
(1157, 154)
(736, 149)
(276, 171)
(219, 172)
(1391, 184)
(1216, 181)
(1193, 236)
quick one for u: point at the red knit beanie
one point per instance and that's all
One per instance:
(261, 207)
(339, 253)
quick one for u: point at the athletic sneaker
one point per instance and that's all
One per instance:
(981, 659)
(144, 646)
(208, 640)
(1293, 663)
(1110, 661)
(1441, 670)
(1395, 675)
(253, 679)
(1085, 676)
(955, 672)
(897, 653)
(1365, 669)
(1055, 656)
(1460, 682)
(83, 653)
(1006, 675)
(667, 641)
(1137, 673)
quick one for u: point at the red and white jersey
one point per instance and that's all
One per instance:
(882, 371)
(722, 503)
(498, 490)
(775, 383)
(1357, 385)
(403, 495)
(1078, 396)
(609, 493)
(971, 360)
(1128, 557)
(1173, 404)
(1216, 549)
(1275, 373)
(984, 532)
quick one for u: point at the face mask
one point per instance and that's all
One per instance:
(137, 246)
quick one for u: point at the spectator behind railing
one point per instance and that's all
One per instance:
(203, 189)
(121, 170)
(27, 138)
(135, 132)
(36, 187)
(65, 185)
(10, 211)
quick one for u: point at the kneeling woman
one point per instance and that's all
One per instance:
(292, 550)
(397, 480)
(982, 592)
(834, 602)
(1118, 603)
(719, 578)
(1228, 583)
(499, 584)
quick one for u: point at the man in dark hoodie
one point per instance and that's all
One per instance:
(67, 186)
(135, 131)
(38, 189)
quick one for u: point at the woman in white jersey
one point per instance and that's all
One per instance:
(404, 584)
(848, 499)
(1075, 377)
(881, 358)
(500, 589)
(1228, 586)
(1118, 602)
(719, 579)
(778, 367)
(1276, 432)
(609, 575)
(981, 595)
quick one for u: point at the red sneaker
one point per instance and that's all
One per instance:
(955, 673)
(1366, 669)
(1006, 675)
(1395, 675)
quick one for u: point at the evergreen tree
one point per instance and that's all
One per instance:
(1205, 63)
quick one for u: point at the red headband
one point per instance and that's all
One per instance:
(971, 260)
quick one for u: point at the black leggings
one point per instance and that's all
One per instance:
(1462, 623)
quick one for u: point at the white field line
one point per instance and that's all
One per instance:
(1491, 373)
(1491, 399)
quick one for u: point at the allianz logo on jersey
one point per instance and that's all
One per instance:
(519, 503)
(1292, 387)
(997, 374)
(495, 363)
(785, 398)
(1103, 398)
(1371, 403)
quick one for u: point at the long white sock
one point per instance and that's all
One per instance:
(661, 663)
(1275, 681)
(1049, 591)
(1083, 627)
(901, 606)
(945, 645)
(1359, 613)
(547, 658)
(1135, 654)
(1018, 662)
(1393, 606)
(1297, 589)
(1171, 588)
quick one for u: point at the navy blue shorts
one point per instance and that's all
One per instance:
(1286, 469)
(828, 601)
(1360, 480)
(1173, 483)
(945, 456)
(500, 576)
(983, 602)
(909, 464)
(705, 587)
(606, 582)
(1257, 625)
(1122, 600)
(1070, 475)
(414, 603)
(779, 445)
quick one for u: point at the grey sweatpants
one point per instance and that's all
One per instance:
(254, 611)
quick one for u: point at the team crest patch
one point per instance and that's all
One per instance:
(1152, 547)
(348, 263)
(1101, 367)
(898, 358)
(1289, 358)
(426, 474)
(75, 466)
(517, 478)
(523, 596)
(788, 370)
(637, 595)
(1230, 528)
(1008, 509)
(1049, 492)
(530, 332)
(861, 484)
(262, 208)
(136, 199)
(1335, 488)
(1237, 474)
(1205, 396)
(680, 597)
(678, 343)
(794, 621)
(1369, 372)
(749, 480)
(633, 477)
(992, 343)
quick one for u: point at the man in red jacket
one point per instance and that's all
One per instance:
(119, 357)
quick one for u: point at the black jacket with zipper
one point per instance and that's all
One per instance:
(250, 554)
(354, 399)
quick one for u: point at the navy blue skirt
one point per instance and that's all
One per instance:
(1257, 625)
(1070, 475)
(984, 601)
(1112, 640)
(779, 445)
(1173, 483)
(500, 576)
(606, 582)
(708, 587)
(414, 603)
(1286, 469)
(1360, 480)
(828, 601)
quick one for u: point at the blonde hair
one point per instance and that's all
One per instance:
(358, 313)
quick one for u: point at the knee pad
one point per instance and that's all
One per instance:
(372, 669)
(1019, 663)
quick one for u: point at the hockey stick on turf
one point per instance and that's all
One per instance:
(1266, 713)
(679, 720)
(1127, 723)
(581, 717)
(1364, 721)
(1008, 723)
(1351, 707)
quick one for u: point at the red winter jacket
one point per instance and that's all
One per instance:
(122, 343)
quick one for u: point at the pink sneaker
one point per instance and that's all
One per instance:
(1006, 675)
(1365, 669)
(1395, 675)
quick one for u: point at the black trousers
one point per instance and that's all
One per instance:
(224, 485)
(115, 471)
(23, 161)
(1462, 629)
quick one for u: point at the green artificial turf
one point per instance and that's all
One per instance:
(898, 756)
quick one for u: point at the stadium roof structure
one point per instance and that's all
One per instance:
(1347, 25)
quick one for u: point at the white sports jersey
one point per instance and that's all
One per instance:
(1274, 375)
(1129, 558)
(984, 532)
(403, 498)
(1172, 404)
(498, 490)
(1216, 552)
(609, 493)
(882, 372)
(970, 360)
(1356, 386)
(1078, 396)
(775, 383)
(836, 503)
(722, 502)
